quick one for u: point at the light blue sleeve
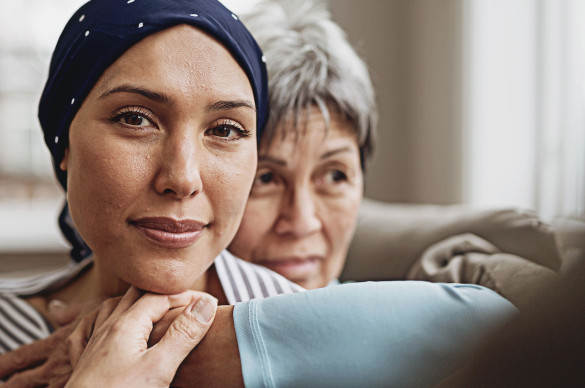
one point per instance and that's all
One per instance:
(375, 334)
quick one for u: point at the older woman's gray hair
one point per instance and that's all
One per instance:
(310, 62)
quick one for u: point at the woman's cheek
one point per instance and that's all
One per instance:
(227, 184)
(259, 216)
(345, 217)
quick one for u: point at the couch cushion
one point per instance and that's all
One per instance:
(391, 237)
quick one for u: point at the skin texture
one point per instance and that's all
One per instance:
(167, 131)
(216, 362)
(302, 210)
(118, 355)
(48, 362)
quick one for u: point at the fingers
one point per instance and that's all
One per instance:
(59, 381)
(161, 327)
(64, 314)
(186, 331)
(78, 339)
(155, 306)
(133, 303)
(28, 379)
(129, 298)
(105, 311)
(31, 355)
(24, 357)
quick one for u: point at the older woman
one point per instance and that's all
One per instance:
(157, 150)
(302, 210)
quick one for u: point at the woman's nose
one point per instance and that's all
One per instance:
(179, 174)
(298, 215)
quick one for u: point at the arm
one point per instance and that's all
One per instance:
(387, 333)
(216, 361)
(404, 334)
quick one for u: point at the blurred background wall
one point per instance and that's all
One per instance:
(481, 102)
(413, 49)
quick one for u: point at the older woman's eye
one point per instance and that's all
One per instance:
(266, 177)
(337, 176)
(267, 182)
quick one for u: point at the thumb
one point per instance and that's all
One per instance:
(186, 331)
(61, 312)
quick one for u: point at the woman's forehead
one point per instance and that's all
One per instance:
(315, 142)
(310, 127)
(179, 60)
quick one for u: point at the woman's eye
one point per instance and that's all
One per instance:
(133, 117)
(228, 131)
(222, 131)
(337, 176)
(267, 177)
(266, 183)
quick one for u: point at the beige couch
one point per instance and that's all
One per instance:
(524, 254)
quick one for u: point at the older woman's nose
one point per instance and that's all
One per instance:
(179, 175)
(298, 214)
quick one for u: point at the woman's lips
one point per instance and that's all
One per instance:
(295, 269)
(168, 232)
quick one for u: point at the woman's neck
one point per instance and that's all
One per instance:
(97, 283)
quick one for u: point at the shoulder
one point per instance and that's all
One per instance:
(243, 281)
(20, 323)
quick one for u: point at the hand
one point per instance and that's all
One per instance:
(39, 364)
(117, 354)
(45, 362)
(63, 314)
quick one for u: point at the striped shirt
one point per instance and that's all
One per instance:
(21, 324)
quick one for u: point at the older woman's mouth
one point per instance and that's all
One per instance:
(293, 268)
(168, 232)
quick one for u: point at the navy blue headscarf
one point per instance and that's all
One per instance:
(99, 33)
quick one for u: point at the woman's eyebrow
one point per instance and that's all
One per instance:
(336, 151)
(270, 159)
(231, 104)
(152, 95)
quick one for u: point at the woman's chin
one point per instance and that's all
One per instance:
(167, 287)
(164, 289)
(169, 276)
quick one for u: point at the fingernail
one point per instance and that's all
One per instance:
(204, 309)
(56, 306)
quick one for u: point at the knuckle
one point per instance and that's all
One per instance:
(110, 303)
(186, 329)
(21, 379)
(14, 380)
(19, 360)
(71, 343)
(116, 327)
